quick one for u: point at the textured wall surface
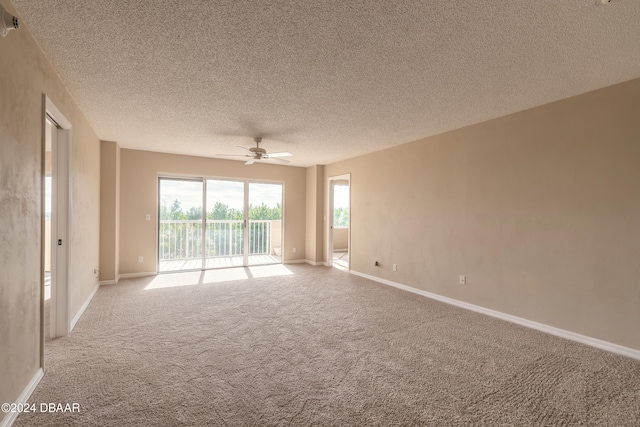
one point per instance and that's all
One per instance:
(314, 218)
(109, 209)
(340, 239)
(310, 213)
(539, 209)
(139, 196)
(25, 75)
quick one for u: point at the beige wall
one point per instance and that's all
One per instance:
(25, 75)
(539, 209)
(139, 172)
(340, 239)
(276, 236)
(109, 210)
(314, 215)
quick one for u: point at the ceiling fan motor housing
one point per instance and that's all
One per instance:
(258, 153)
(258, 150)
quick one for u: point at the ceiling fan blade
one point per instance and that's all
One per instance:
(277, 159)
(281, 154)
(258, 153)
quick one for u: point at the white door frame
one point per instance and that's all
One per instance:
(330, 184)
(60, 316)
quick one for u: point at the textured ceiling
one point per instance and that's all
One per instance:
(326, 80)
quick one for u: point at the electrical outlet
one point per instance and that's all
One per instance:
(377, 264)
(294, 250)
(463, 280)
(395, 267)
(147, 217)
(140, 258)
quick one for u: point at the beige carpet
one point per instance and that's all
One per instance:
(318, 347)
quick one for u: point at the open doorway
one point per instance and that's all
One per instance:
(55, 307)
(339, 222)
(49, 128)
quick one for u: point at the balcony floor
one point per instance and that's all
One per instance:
(217, 262)
(341, 260)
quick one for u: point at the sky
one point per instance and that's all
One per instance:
(230, 193)
(341, 196)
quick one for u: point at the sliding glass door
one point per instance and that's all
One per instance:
(265, 223)
(180, 224)
(224, 235)
(242, 224)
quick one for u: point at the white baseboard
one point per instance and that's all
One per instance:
(132, 275)
(294, 261)
(308, 261)
(110, 282)
(341, 250)
(83, 308)
(584, 339)
(10, 417)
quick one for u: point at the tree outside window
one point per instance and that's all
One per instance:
(341, 206)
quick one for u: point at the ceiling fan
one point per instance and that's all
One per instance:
(257, 153)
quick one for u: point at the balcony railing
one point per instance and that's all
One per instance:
(183, 239)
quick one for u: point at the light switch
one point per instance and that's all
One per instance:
(148, 217)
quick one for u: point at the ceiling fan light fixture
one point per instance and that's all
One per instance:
(258, 153)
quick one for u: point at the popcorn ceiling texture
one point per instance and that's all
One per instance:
(325, 80)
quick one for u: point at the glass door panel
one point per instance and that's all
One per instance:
(224, 234)
(265, 223)
(180, 225)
